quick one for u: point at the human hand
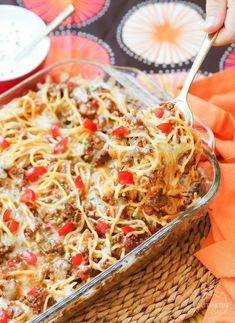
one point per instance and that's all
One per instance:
(220, 15)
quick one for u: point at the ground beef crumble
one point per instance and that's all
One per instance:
(71, 213)
(54, 246)
(133, 241)
(35, 300)
(4, 250)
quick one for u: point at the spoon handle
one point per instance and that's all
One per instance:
(203, 51)
(49, 28)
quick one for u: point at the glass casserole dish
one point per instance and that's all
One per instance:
(142, 91)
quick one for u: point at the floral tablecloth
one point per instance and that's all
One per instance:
(159, 37)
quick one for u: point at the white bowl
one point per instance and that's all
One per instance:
(17, 27)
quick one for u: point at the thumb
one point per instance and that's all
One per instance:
(215, 15)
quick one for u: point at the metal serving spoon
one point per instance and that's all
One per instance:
(46, 31)
(181, 99)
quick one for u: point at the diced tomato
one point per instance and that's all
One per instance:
(33, 174)
(65, 229)
(4, 143)
(127, 229)
(3, 316)
(14, 226)
(61, 146)
(120, 132)
(55, 129)
(125, 177)
(7, 215)
(28, 196)
(159, 113)
(78, 183)
(12, 262)
(165, 127)
(87, 235)
(77, 259)
(149, 211)
(90, 125)
(101, 227)
(29, 257)
(32, 290)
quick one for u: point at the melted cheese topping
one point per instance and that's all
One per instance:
(109, 216)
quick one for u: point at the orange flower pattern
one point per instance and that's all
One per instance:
(228, 59)
(86, 11)
(162, 32)
(81, 46)
(156, 36)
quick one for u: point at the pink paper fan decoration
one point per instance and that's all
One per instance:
(73, 46)
(162, 32)
(230, 59)
(49, 9)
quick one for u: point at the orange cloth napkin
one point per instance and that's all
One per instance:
(213, 100)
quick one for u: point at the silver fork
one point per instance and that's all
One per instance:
(181, 99)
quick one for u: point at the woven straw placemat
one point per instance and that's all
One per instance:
(170, 289)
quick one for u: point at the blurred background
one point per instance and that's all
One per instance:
(158, 37)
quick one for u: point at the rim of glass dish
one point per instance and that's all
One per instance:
(134, 253)
(68, 61)
(210, 154)
(201, 202)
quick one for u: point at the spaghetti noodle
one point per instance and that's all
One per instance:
(84, 178)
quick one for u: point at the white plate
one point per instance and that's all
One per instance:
(17, 26)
